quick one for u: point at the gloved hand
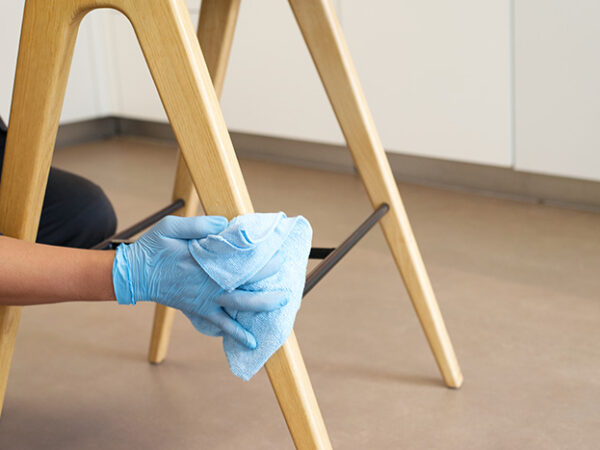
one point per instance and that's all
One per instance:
(249, 243)
(159, 267)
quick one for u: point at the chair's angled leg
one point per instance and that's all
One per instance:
(47, 41)
(163, 315)
(215, 33)
(216, 27)
(167, 39)
(324, 38)
(9, 325)
(291, 384)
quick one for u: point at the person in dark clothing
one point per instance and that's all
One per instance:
(76, 212)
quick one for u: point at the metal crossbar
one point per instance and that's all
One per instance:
(338, 253)
(330, 256)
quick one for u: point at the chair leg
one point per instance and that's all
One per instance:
(45, 52)
(215, 33)
(324, 38)
(193, 109)
(163, 315)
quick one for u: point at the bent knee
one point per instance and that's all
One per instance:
(76, 212)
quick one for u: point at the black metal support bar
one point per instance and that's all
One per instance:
(336, 255)
(320, 252)
(330, 256)
(141, 225)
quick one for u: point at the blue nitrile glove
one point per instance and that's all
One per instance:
(159, 267)
(247, 244)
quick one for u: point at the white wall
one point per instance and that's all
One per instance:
(557, 80)
(271, 87)
(10, 24)
(136, 96)
(438, 76)
(86, 95)
(434, 90)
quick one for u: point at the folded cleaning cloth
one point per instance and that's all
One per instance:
(234, 256)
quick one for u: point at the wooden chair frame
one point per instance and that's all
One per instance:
(208, 164)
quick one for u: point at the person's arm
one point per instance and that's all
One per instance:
(158, 267)
(35, 274)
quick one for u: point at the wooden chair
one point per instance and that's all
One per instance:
(208, 165)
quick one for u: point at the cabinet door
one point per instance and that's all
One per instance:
(557, 87)
(436, 74)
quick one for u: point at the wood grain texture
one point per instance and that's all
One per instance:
(324, 38)
(163, 315)
(216, 26)
(286, 368)
(168, 40)
(9, 325)
(215, 34)
(291, 383)
(40, 82)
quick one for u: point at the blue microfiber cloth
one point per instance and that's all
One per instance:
(239, 252)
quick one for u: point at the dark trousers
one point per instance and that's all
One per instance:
(76, 212)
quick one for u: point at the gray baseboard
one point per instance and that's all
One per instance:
(477, 178)
(87, 131)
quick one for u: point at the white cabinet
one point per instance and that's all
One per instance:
(557, 81)
(86, 94)
(436, 74)
(271, 86)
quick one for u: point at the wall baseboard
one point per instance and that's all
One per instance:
(87, 131)
(476, 178)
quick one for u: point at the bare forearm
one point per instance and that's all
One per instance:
(34, 274)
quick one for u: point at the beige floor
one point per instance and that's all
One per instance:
(518, 284)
